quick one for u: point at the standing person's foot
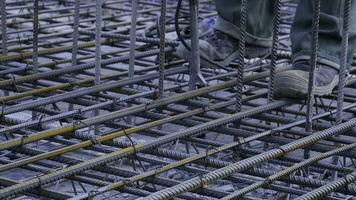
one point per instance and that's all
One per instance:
(205, 27)
(294, 83)
(220, 48)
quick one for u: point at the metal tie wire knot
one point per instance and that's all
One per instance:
(128, 182)
(147, 104)
(240, 141)
(154, 177)
(156, 93)
(14, 82)
(40, 118)
(210, 147)
(78, 113)
(78, 123)
(38, 177)
(117, 101)
(27, 68)
(22, 142)
(205, 108)
(133, 143)
(72, 83)
(274, 132)
(268, 182)
(91, 194)
(94, 139)
(140, 186)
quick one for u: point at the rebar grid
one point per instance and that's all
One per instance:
(61, 63)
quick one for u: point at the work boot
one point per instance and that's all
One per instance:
(294, 83)
(220, 48)
(205, 27)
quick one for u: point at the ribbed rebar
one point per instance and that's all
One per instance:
(127, 37)
(249, 162)
(134, 8)
(313, 65)
(328, 188)
(194, 60)
(343, 60)
(270, 179)
(98, 25)
(107, 158)
(35, 35)
(143, 144)
(275, 43)
(105, 138)
(71, 69)
(162, 46)
(3, 27)
(75, 32)
(241, 55)
(75, 39)
(343, 69)
(35, 42)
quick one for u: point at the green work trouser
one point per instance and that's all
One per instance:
(259, 26)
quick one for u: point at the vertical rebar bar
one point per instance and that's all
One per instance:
(75, 32)
(343, 60)
(275, 42)
(132, 58)
(162, 45)
(3, 32)
(75, 38)
(313, 64)
(134, 8)
(35, 35)
(194, 60)
(241, 56)
(98, 22)
(35, 43)
(3, 27)
(342, 73)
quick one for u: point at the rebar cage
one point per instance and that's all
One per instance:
(96, 105)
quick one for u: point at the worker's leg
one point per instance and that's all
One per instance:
(221, 45)
(294, 83)
(330, 34)
(259, 20)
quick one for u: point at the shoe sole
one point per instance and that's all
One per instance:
(294, 86)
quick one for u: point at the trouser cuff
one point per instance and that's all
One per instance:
(234, 31)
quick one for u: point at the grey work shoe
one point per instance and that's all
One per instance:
(294, 83)
(205, 27)
(220, 48)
